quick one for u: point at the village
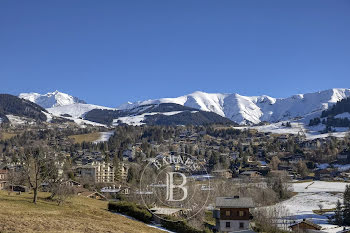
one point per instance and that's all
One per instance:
(247, 169)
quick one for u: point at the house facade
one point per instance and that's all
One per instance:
(3, 179)
(232, 214)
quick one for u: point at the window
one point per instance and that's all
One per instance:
(228, 224)
(228, 213)
(241, 225)
(241, 213)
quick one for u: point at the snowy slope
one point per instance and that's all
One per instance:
(309, 196)
(76, 110)
(51, 99)
(137, 120)
(343, 115)
(255, 109)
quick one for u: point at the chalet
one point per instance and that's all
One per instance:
(250, 174)
(282, 138)
(224, 173)
(129, 154)
(324, 174)
(342, 157)
(293, 159)
(3, 178)
(71, 183)
(234, 155)
(93, 195)
(125, 190)
(286, 168)
(345, 175)
(314, 144)
(18, 188)
(305, 226)
(232, 214)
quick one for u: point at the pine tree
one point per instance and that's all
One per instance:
(338, 216)
(346, 211)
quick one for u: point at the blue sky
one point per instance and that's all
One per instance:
(110, 52)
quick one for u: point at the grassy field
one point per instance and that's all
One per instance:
(5, 135)
(78, 214)
(90, 137)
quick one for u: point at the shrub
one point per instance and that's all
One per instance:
(131, 209)
(179, 226)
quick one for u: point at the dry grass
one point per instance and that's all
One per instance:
(79, 214)
(5, 135)
(323, 211)
(89, 137)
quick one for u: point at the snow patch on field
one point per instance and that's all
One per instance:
(341, 167)
(299, 127)
(133, 120)
(138, 119)
(319, 186)
(82, 122)
(170, 113)
(16, 120)
(310, 195)
(48, 116)
(104, 136)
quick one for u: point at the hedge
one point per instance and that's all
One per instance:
(142, 214)
(179, 226)
(131, 209)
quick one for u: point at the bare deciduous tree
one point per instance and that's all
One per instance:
(37, 168)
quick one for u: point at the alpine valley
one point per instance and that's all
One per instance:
(264, 113)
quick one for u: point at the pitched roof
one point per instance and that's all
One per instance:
(234, 202)
(318, 227)
(90, 193)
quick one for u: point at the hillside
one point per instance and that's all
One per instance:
(340, 107)
(12, 105)
(19, 214)
(156, 114)
(336, 116)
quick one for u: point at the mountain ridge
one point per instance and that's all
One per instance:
(244, 110)
(254, 109)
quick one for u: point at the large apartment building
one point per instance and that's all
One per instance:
(97, 172)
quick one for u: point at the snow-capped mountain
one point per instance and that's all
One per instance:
(61, 104)
(238, 108)
(255, 109)
(51, 99)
